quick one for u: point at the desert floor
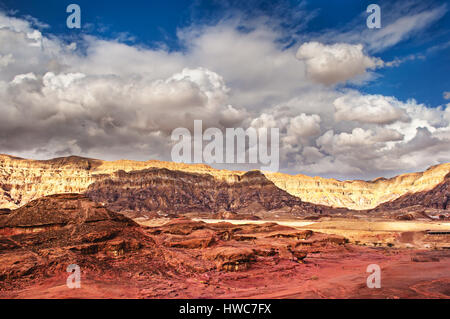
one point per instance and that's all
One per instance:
(413, 265)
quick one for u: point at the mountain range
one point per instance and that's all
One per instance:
(157, 187)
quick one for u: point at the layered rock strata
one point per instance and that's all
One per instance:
(23, 180)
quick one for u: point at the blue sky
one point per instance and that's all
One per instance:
(350, 102)
(153, 22)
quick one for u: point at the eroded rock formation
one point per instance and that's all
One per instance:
(433, 202)
(164, 191)
(41, 239)
(50, 233)
(192, 259)
(358, 194)
(23, 180)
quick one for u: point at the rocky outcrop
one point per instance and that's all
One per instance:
(235, 248)
(232, 258)
(50, 233)
(193, 259)
(359, 195)
(432, 202)
(68, 220)
(22, 181)
(41, 239)
(175, 192)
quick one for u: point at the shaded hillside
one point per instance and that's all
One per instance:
(431, 202)
(66, 219)
(50, 233)
(176, 192)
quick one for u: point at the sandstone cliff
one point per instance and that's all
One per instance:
(358, 194)
(23, 180)
(433, 202)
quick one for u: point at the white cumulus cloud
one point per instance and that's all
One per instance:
(377, 109)
(340, 62)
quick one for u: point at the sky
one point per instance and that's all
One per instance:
(350, 102)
